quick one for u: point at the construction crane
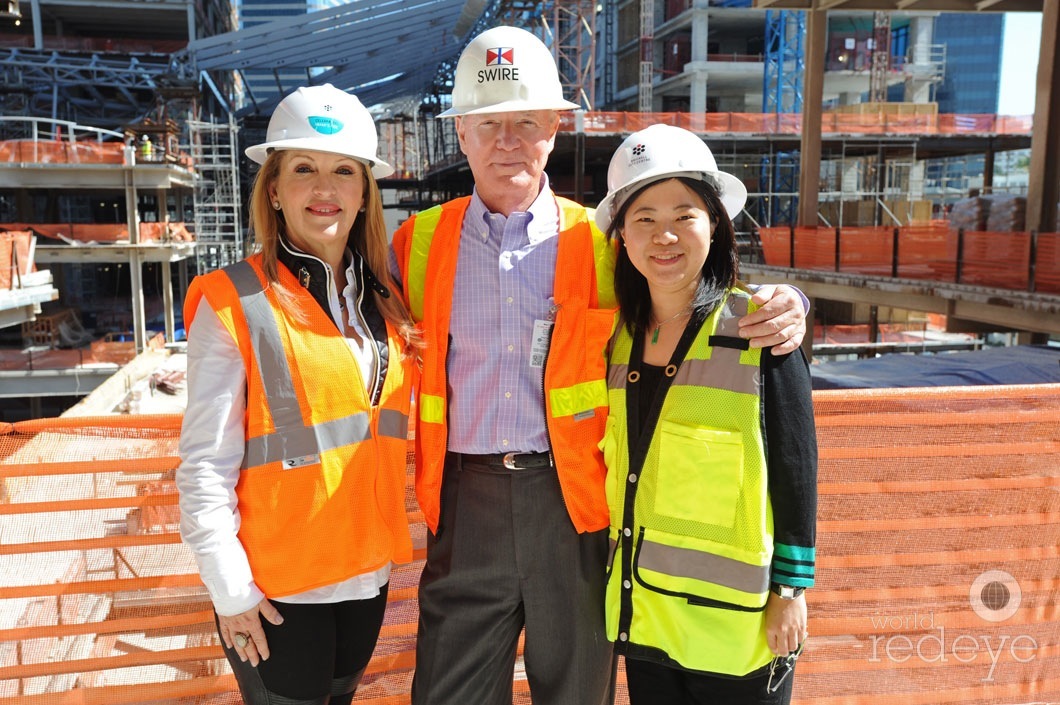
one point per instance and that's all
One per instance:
(881, 57)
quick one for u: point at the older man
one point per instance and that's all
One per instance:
(514, 289)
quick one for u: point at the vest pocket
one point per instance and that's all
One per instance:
(701, 572)
(700, 474)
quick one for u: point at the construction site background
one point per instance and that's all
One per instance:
(938, 560)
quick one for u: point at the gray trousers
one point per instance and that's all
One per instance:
(506, 556)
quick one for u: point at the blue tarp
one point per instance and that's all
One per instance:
(1024, 364)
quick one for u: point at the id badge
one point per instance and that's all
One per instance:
(539, 343)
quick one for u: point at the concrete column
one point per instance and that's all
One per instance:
(921, 71)
(1044, 185)
(697, 99)
(810, 146)
(167, 301)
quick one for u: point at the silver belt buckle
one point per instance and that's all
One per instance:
(509, 460)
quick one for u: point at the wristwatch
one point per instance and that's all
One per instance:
(786, 592)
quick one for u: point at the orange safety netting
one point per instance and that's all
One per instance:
(938, 560)
(832, 123)
(61, 152)
(173, 231)
(933, 252)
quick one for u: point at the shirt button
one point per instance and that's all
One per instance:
(633, 477)
(510, 299)
(625, 532)
(623, 637)
(626, 584)
(505, 443)
(507, 395)
(510, 347)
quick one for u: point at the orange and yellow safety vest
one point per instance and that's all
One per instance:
(322, 486)
(575, 369)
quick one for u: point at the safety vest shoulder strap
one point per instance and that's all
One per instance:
(446, 218)
(574, 215)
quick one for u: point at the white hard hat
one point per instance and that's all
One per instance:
(664, 152)
(324, 119)
(503, 70)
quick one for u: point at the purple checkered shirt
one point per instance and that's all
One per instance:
(505, 273)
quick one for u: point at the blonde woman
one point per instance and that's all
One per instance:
(301, 365)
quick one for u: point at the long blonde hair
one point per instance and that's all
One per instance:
(367, 237)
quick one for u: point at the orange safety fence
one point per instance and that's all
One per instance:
(938, 560)
(61, 152)
(832, 123)
(106, 232)
(14, 257)
(933, 252)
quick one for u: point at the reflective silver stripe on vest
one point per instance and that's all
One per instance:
(393, 424)
(722, 371)
(292, 443)
(692, 563)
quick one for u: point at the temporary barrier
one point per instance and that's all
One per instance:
(938, 548)
(172, 231)
(1017, 261)
(938, 557)
(832, 123)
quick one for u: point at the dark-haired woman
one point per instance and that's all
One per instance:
(710, 445)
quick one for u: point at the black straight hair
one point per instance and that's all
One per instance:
(720, 270)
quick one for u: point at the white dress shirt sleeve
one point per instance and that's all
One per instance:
(211, 451)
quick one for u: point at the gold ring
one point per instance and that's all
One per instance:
(241, 639)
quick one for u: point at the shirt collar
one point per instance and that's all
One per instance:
(543, 221)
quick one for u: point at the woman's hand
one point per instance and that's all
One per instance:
(785, 623)
(780, 322)
(243, 631)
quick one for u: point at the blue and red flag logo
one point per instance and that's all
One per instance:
(501, 56)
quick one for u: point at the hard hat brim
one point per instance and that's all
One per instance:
(260, 152)
(510, 106)
(731, 190)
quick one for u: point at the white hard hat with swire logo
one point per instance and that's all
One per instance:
(324, 119)
(506, 69)
(663, 152)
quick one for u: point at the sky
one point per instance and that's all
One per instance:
(1019, 62)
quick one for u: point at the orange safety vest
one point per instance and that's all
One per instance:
(322, 487)
(575, 369)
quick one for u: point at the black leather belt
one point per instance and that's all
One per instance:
(511, 461)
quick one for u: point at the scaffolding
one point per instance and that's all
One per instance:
(218, 226)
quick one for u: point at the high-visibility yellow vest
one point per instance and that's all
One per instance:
(693, 527)
(575, 370)
(322, 487)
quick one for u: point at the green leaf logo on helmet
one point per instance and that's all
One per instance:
(325, 125)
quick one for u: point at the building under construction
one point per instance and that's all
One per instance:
(122, 176)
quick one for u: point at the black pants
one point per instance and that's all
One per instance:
(316, 657)
(655, 684)
(507, 557)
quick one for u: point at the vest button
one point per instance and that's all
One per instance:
(627, 532)
(633, 477)
(626, 584)
(623, 637)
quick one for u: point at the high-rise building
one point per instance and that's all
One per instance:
(973, 41)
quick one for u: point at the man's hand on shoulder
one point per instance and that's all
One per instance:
(780, 322)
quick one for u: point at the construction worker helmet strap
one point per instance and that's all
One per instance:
(324, 119)
(664, 152)
(503, 70)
